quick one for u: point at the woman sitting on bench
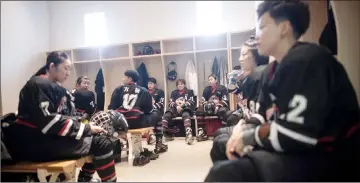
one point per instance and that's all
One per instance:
(182, 104)
(47, 129)
(84, 98)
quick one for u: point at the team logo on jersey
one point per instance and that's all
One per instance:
(180, 101)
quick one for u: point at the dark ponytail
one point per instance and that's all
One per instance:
(41, 71)
(53, 57)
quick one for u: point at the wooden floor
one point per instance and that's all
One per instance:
(182, 163)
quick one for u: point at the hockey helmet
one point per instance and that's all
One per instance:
(148, 50)
(112, 121)
(172, 74)
(209, 108)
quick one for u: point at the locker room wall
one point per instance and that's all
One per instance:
(130, 21)
(24, 38)
(346, 14)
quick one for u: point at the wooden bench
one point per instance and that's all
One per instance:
(134, 138)
(44, 169)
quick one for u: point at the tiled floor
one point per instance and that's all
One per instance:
(182, 163)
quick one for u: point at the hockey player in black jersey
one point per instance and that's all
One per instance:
(135, 103)
(47, 128)
(248, 87)
(158, 109)
(84, 98)
(181, 104)
(308, 129)
(214, 102)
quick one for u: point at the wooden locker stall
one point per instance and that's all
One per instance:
(87, 63)
(180, 51)
(115, 60)
(207, 49)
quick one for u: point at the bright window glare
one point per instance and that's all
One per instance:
(95, 29)
(209, 17)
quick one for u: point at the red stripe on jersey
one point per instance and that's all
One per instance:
(64, 127)
(326, 139)
(108, 177)
(353, 129)
(106, 166)
(87, 170)
(19, 121)
(131, 110)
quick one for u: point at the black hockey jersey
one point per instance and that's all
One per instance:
(84, 102)
(131, 100)
(310, 99)
(220, 93)
(249, 89)
(46, 128)
(158, 97)
(184, 99)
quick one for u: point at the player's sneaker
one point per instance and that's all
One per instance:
(189, 139)
(160, 148)
(169, 136)
(201, 135)
(151, 139)
(141, 160)
(149, 154)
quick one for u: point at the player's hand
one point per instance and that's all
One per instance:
(235, 145)
(96, 129)
(178, 108)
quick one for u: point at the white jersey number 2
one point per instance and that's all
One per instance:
(129, 101)
(298, 105)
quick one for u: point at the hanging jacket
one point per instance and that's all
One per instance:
(99, 89)
(328, 37)
(223, 72)
(191, 77)
(143, 81)
(215, 69)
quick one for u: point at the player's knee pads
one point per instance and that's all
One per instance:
(224, 130)
(220, 141)
(232, 120)
(101, 144)
(168, 116)
(185, 115)
(155, 117)
(222, 113)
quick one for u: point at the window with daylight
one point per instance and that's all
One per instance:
(209, 17)
(95, 29)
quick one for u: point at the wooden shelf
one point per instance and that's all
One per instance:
(211, 50)
(179, 53)
(146, 56)
(86, 61)
(115, 59)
